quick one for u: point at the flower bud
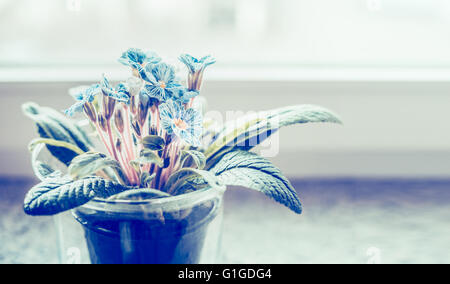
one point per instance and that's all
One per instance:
(108, 106)
(102, 122)
(153, 130)
(195, 80)
(119, 145)
(118, 120)
(136, 128)
(133, 106)
(89, 110)
(144, 101)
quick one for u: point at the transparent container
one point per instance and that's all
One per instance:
(183, 229)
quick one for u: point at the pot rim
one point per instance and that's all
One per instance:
(188, 198)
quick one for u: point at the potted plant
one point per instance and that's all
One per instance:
(152, 193)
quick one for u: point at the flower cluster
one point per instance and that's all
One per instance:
(151, 104)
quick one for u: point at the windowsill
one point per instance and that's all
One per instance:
(391, 128)
(236, 74)
(347, 216)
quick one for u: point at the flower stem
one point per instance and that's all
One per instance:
(160, 169)
(130, 150)
(111, 140)
(129, 172)
(102, 137)
(127, 159)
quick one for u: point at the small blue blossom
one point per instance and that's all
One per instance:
(160, 82)
(82, 95)
(196, 65)
(196, 68)
(184, 123)
(120, 93)
(138, 59)
(185, 96)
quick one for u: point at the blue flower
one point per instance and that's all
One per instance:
(196, 68)
(82, 95)
(196, 65)
(138, 59)
(184, 95)
(160, 82)
(120, 93)
(186, 124)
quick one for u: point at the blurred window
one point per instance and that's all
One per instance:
(344, 33)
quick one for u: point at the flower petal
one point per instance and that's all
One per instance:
(172, 110)
(136, 58)
(164, 72)
(195, 65)
(75, 108)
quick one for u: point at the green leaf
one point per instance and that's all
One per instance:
(40, 169)
(242, 168)
(93, 162)
(179, 179)
(54, 125)
(140, 194)
(55, 195)
(146, 179)
(55, 143)
(197, 157)
(249, 131)
(153, 142)
(228, 136)
(147, 156)
(195, 183)
(43, 170)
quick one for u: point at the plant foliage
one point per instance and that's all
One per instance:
(242, 168)
(156, 142)
(57, 194)
(53, 125)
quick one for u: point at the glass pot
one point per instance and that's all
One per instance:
(182, 229)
